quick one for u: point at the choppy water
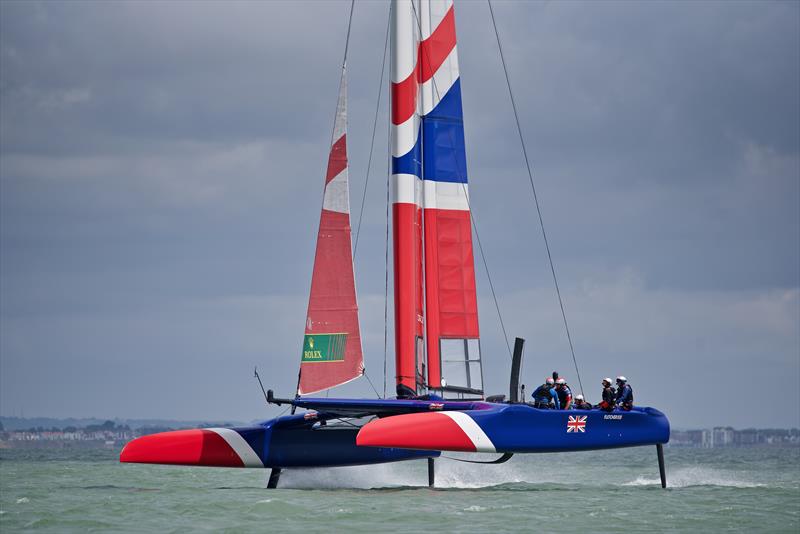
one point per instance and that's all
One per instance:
(756, 489)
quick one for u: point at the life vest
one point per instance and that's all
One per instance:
(564, 394)
(609, 398)
(625, 397)
(625, 394)
(542, 393)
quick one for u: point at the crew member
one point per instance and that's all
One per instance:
(609, 396)
(545, 395)
(581, 404)
(624, 394)
(564, 394)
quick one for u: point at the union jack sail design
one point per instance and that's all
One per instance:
(430, 187)
(332, 346)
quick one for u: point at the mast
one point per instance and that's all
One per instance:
(407, 200)
(332, 345)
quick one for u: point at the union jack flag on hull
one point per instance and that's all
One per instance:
(576, 423)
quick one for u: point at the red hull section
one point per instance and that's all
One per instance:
(182, 447)
(427, 431)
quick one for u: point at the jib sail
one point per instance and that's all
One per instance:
(331, 352)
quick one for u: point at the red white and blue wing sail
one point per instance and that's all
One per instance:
(332, 344)
(430, 184)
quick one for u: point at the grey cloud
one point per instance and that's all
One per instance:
(161, 166)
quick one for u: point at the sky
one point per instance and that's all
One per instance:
(162, 164)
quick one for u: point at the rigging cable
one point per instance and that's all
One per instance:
(535, 196)
(372, 143)
(471, 213)
(366, 185)
(488, 276)
(364, 372)
(349, 25)
(386, 246)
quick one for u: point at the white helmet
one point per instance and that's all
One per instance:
(549, 381)
(622, 379)
(607, 381)
(561, 382)
(579, 397)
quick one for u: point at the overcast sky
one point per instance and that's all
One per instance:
(161, 168)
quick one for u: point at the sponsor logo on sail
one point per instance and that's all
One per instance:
(324, 348)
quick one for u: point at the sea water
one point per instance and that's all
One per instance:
(710, 490)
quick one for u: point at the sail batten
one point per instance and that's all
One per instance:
(332, 353)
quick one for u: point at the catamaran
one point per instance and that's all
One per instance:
(440, 403)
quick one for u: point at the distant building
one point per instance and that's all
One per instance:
(729, 437)
(723, 436)
(746, 437)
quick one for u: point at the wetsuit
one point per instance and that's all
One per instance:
(543, 395)
(609, 399)
(625, 397)
(582, 405)
(564, 397)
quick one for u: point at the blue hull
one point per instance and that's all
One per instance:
(523, 429)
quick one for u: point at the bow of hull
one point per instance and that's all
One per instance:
(284, 442)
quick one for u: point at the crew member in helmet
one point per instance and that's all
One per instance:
(545, 396)
(609, 396)
(624, 393)
(581, 404)
(564, 394)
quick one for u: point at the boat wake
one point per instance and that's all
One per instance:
(506, 477)
(698, 476)
(400, 476)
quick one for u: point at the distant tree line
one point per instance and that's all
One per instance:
(108, 425)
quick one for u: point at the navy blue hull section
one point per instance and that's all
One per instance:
(293, 442)
(522, 428)
(329, 448)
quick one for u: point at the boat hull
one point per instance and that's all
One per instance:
(422, 431)
(292, 441)
(518, 428)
